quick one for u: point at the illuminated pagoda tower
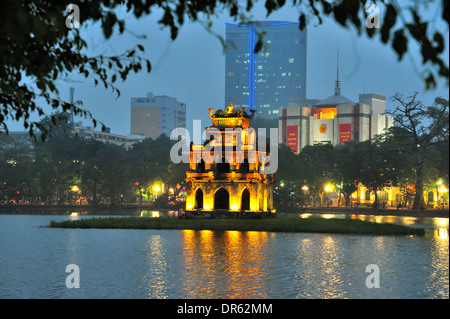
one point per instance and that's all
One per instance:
(225, 171)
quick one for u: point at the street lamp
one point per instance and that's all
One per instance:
(76, 190)
(328, 189)
(156, 190)
(441, 190)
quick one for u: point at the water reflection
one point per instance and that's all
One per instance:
(438, 277)
(434, 226)
(228, 264)
(156, 277)
(319, 271)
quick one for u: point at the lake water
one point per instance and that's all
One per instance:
(218, 264)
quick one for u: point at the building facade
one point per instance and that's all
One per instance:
(86, 132)
(156, 115)
(267, 80)
(334, 120)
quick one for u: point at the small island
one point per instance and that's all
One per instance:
(310, 225)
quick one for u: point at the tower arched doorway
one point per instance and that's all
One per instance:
(245, 200)
(198, 199)
(221, 199)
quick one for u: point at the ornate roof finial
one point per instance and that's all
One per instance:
(230, 108)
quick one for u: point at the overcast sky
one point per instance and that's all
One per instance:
(192, 68)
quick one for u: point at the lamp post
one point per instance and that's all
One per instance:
(328, 189)
(305, 190)
(156, 190)
(441, 191)
(75, 189)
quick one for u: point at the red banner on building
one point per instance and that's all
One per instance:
(292, 137)
(345, 133)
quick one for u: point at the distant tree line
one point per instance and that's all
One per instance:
(66, 167)
(414, 151)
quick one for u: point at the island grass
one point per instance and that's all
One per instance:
(316, 225)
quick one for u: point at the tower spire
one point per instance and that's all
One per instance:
(337, 89)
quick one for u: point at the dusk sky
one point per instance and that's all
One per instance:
(191, 68)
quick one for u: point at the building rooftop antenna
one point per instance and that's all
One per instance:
(337, 89)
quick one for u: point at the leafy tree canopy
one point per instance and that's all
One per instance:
(37, 48)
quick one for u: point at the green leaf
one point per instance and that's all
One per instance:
(258, 45)
(400, 43)
(108, 24)
(388, 22)
(445, 10)
(302, 20)
(437, 37)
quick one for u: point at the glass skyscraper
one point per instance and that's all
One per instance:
(267, 80)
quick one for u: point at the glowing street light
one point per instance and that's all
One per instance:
(156, 190)
(305, 188)
(328, 188)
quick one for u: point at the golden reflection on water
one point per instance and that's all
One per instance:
(155, 279)
(236, 264)
(228, 264)
(439, 263)
(438, 226)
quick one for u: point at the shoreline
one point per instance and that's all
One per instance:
(133, 209)
(330, 226)
(371, 211)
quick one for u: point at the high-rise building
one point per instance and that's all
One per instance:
(267, 80)
(156, 115)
